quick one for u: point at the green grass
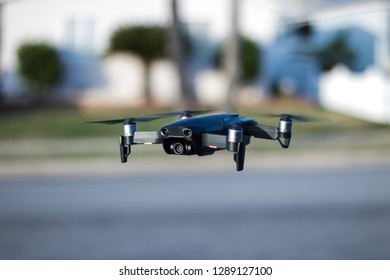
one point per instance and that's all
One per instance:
(67, 122)
(63, 123)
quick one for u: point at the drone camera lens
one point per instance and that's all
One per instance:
(177, 148)
(164, 132)
(187, 132)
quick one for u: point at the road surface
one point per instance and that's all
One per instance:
(302, 213)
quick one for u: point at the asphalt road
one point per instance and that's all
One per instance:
(323, 213)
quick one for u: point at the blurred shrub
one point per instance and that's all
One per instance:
(337, 51)
(40, 66)
(250, 59)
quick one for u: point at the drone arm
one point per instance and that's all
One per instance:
(214, 140)
(137, 137)
(263, 131)
(147, 137)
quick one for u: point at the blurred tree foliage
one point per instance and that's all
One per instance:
(250, 59)
(40, 66)
(149, 42)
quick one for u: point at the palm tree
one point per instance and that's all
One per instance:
(149, 42)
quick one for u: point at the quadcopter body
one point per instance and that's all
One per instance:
(203, 134)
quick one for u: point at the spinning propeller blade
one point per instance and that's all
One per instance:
(185, 113)
(299, 118)
(128, 120)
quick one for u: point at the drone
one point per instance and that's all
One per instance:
(202, 133)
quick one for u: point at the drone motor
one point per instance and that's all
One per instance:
(126, 140)
(235, 136)
(129, 129)
(285, 127)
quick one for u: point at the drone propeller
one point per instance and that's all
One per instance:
(293, 117)
(129, 120)
(185, 113)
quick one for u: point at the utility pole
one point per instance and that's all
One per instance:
(232, 54)
(178, 54)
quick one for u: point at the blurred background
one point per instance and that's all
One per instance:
(64, 193)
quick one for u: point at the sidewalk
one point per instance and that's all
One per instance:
(92, 156)
(182, 164)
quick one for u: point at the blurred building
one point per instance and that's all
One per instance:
(356, 35)
(365, 92)
(335, 52)
(81, 30)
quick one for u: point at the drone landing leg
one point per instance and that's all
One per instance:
(125, 148)
(239, 156)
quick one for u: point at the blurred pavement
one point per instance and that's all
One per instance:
(73, 199)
